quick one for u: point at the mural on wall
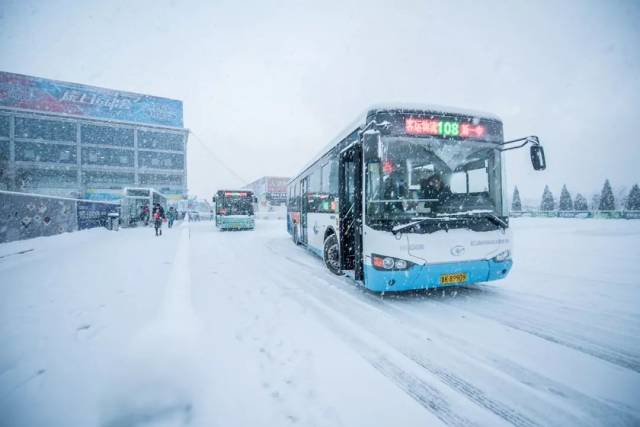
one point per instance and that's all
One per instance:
(24, 216)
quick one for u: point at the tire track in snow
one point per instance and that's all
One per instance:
(549, 333)
(395, 339)
(422, 392)
(526, 378)
(562, 311)
(614, 416)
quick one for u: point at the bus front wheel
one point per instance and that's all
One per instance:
(332, 254)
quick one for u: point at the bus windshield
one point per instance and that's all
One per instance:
(414, 178)
(236, 205)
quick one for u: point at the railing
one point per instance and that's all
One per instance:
(622, 214)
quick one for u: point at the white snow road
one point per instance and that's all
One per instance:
(207, 328)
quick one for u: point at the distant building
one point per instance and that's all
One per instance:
(270, 190)
(73, 140)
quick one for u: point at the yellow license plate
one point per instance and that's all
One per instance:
(447, 279)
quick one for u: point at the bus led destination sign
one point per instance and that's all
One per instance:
(445, 128)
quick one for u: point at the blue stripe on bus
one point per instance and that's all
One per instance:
(316, 251)
(428, 276)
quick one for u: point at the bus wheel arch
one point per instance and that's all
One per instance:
(329, 231)
(331, 253)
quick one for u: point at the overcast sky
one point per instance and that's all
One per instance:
(266, 85)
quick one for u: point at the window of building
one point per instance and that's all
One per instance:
(65, 155)
(32, 177)
(45, 152)
(48, 130)
(4, 126)
(107, 156)
(4, 151)
(106, 135)
(107, 178)
(161, 140)
(154, 159)
(160, 179)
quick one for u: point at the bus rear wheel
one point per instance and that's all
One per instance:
(332, 254)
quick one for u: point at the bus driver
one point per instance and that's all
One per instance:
(435, 189)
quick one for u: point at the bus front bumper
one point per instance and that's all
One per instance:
(428, 276)
(235, 224)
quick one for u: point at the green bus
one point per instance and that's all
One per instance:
(235, 209)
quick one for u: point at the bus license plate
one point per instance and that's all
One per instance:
(447, 279)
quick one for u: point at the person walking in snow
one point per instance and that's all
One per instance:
(158, 217)
(171, 216)
(144, 215)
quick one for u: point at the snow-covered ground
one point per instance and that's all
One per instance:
(208, 328)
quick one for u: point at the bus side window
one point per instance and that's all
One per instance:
(296, 198)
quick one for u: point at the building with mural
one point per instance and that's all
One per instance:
(270, 190)
(72, 140)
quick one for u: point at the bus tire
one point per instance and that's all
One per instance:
(332, 254)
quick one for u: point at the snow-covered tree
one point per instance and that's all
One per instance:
(548, 203)
(516, 204)
(633, 200)
(565, 203)
(607, 201)
(620, 195)
(580, 204)
(595, 202)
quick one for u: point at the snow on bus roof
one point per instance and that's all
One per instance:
(361, 121)
(435, 108)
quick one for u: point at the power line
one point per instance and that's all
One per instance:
(217, 159)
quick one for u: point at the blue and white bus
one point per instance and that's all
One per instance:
(235, 209)
(410, 197)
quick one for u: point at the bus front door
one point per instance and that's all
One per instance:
(304, 208)
(350, 205)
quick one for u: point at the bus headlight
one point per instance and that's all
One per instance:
(401, 264)
(389, 263)
(502, 256)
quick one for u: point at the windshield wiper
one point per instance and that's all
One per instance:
(496, 220)
(452, 217)
(401, 227)
(484, 214)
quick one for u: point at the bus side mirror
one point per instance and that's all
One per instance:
(537, 158)
(371, 142)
